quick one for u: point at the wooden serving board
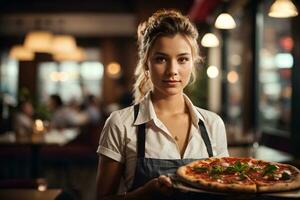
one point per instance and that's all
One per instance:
(187, 188)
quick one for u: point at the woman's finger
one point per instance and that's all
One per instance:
(165, 180)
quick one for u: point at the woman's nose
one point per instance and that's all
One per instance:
(172, 68)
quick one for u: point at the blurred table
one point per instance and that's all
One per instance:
(260, 152)
(29, 194)
(36, 141)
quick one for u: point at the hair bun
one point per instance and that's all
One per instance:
(141, 30)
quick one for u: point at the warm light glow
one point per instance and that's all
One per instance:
(286, 43)
(63, 44)
(58, 76)
(39, 41)
(42, 185)
(283, 9)
(114, 69)
(19, 52)
(284, 60)
(39, 125)
(235, 59)
(232, 77)
(225, 21)
(212, 71)
(77, 54)
(210, 40)
(42, 188)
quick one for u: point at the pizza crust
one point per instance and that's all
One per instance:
(294, 183)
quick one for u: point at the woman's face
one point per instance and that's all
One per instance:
(170, 65)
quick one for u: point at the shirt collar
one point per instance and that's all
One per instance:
(147, 113)
(195, 114)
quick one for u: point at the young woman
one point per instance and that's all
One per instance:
(142, 144)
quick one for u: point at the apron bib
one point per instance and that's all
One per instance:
(149, 168)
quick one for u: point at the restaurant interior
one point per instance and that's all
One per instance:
(66, 65)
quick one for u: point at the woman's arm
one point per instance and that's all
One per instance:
(108, 177)
(108, 180)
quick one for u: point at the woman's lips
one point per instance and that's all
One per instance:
(171, 82)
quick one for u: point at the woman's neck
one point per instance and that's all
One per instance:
(169, 105)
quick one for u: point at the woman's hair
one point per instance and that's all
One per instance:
(161, 23)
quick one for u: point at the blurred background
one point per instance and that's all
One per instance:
(66, 65)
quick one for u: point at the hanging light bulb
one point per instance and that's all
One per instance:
(19, 52)
(283, 9)
(39, 41)
(113, 70)
(63, 44)
(210, 40)
(225, 21)
(78, 54)
(212, 71)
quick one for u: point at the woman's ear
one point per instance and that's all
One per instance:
(147, 75)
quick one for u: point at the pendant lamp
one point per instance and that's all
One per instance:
(283, 9)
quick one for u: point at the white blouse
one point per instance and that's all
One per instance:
(118, 137)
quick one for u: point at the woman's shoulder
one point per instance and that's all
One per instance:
(209, 116)
(123, 115)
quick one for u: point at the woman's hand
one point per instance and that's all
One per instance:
(159, 186)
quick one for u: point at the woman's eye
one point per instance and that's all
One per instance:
(183, 60)
(160, 59)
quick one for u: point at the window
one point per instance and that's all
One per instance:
(71, 80)
(276, 62)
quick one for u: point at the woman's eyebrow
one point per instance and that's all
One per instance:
(164, 54)
(160, 53)
(184, 54)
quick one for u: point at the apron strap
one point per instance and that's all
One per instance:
(205, 138)
(140, 134)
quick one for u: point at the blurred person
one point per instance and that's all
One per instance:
(92, 110)
(23, 119)
(62, 116)
(141, 144)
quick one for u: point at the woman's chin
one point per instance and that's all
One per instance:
(169, 91)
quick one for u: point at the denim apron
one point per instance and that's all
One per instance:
(149, 168)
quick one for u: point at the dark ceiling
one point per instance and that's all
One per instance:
(108, 6)
(32, 6)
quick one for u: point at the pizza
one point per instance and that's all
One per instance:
(230, 174)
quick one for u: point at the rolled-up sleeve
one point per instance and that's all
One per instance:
(111, 142)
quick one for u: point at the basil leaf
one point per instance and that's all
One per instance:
(238, 167)
(200, 169)
(242, 166)
(216, 170)
(231, 169)
(269, 169)
(285, 176)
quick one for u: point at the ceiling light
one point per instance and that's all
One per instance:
(39, 41)
(19, 52)
(113, 70)
(283, 9)
(225, 21)
(232, 77)
(210, 40)
(212, 71)
(77, 54)
(63, 44)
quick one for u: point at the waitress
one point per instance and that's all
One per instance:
(141, 144)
